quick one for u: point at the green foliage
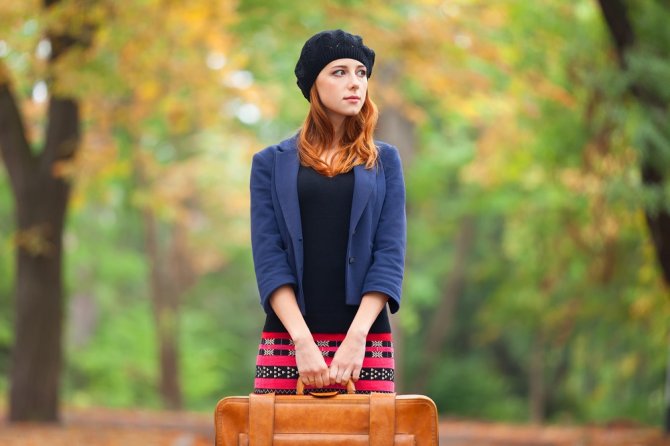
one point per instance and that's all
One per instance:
(119, 366)
(470, 387)
(221, 331)
(114, 361)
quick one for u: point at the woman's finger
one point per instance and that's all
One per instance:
(340, 375)
(326, 378)
(346, 375)
(332, 372)
(318, 381)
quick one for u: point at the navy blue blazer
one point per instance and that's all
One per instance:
(377, 230)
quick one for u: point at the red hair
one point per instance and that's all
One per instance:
(357, 143)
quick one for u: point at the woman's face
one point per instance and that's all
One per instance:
(342, 86)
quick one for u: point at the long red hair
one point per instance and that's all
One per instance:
(357, 143)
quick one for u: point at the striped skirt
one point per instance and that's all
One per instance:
(276, 369)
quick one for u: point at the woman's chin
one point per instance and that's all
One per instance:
(349, 112)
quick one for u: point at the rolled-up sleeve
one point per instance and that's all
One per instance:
(385, 274)
(269, 251)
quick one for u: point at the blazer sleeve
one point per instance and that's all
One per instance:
(269, 252)
(385, 274)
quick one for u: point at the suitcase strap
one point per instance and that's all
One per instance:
(261, 419)
(382, 419)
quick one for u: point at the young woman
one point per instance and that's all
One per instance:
(328, 232)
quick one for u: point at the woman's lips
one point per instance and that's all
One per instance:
(352, 99)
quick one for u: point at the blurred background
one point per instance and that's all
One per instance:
(535, 143)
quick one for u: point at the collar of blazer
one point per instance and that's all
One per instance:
(286, 185)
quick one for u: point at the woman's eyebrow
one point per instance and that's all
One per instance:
(347, 66)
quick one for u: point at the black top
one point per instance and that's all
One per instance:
(325, 210)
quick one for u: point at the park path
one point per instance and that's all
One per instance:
(110, 427)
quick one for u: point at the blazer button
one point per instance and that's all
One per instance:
(352, 259)
(299, 239)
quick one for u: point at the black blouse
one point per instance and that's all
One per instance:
(325, 210)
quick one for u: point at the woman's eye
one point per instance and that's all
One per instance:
(338, 72)
(362, 72)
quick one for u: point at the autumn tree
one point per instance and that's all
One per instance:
(41, 197)
(141, 94)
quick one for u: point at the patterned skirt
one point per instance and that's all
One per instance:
(276, 369)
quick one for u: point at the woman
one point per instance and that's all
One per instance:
(328, 232)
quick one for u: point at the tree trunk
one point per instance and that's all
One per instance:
(171, 275)
(41, 199)
(165, 301)
(37, 350)
(621, 29)
(536, 383)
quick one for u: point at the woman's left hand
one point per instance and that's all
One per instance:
(348, 360)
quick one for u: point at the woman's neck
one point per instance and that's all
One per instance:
(337, 121)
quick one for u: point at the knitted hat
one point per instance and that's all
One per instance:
(325, 47)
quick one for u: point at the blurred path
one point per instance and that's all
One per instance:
(112, 427)
(479, 433)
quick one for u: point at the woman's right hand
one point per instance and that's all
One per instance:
(312, 367)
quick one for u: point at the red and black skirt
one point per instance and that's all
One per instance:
(276, 370)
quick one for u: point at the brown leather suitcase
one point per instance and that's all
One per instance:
(379, 419)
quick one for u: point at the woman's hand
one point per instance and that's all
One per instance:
(311, 365)
(348, 360)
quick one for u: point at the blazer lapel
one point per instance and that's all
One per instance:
(363, 184)
(286, 185)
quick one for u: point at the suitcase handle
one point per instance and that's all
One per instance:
(300, 388)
